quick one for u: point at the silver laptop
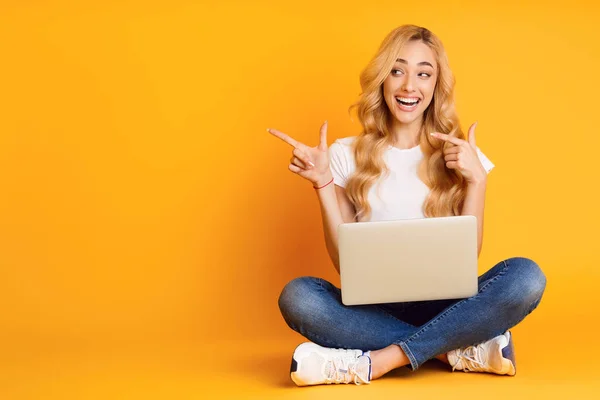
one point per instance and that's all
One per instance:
(408, 260)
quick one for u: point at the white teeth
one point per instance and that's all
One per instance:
(408, 99)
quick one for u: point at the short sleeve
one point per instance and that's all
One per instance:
(338, 163)
(487, 164)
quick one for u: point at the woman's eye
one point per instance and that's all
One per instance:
(428, 75)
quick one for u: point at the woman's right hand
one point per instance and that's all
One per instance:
(311, 163)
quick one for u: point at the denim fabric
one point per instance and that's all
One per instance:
(508, 292)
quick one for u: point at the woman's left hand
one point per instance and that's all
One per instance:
(463, 156)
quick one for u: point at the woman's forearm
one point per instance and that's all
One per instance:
(474, 205)
(332, 218)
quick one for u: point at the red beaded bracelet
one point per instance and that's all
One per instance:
(323, 185)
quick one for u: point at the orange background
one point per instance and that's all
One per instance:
(148, 221)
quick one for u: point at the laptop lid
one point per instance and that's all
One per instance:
(408, 260)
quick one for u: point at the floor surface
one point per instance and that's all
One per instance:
(259, 369)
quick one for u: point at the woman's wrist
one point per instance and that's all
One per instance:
(482, 182)
(325, 181)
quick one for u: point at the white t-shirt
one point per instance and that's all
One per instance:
(402, 193)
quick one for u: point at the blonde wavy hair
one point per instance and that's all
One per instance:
(447, 186)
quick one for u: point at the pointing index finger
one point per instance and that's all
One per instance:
(447, 138)
(286, 138)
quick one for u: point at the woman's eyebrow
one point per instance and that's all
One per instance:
(421, 63)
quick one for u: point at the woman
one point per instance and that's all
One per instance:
(396, 169)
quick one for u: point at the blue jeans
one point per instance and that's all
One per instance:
(508, 292)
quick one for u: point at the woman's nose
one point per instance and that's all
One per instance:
(408, 85)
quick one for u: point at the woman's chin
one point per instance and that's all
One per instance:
(407, 119)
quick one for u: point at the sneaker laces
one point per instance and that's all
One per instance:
(472, 358)
(343, 368)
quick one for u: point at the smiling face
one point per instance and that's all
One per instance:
(412, 78)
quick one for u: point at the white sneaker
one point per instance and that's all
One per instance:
(316, 365)
(497, 356)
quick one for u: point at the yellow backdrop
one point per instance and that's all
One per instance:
(143, 206)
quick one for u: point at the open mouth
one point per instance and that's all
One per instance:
(406, 102)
